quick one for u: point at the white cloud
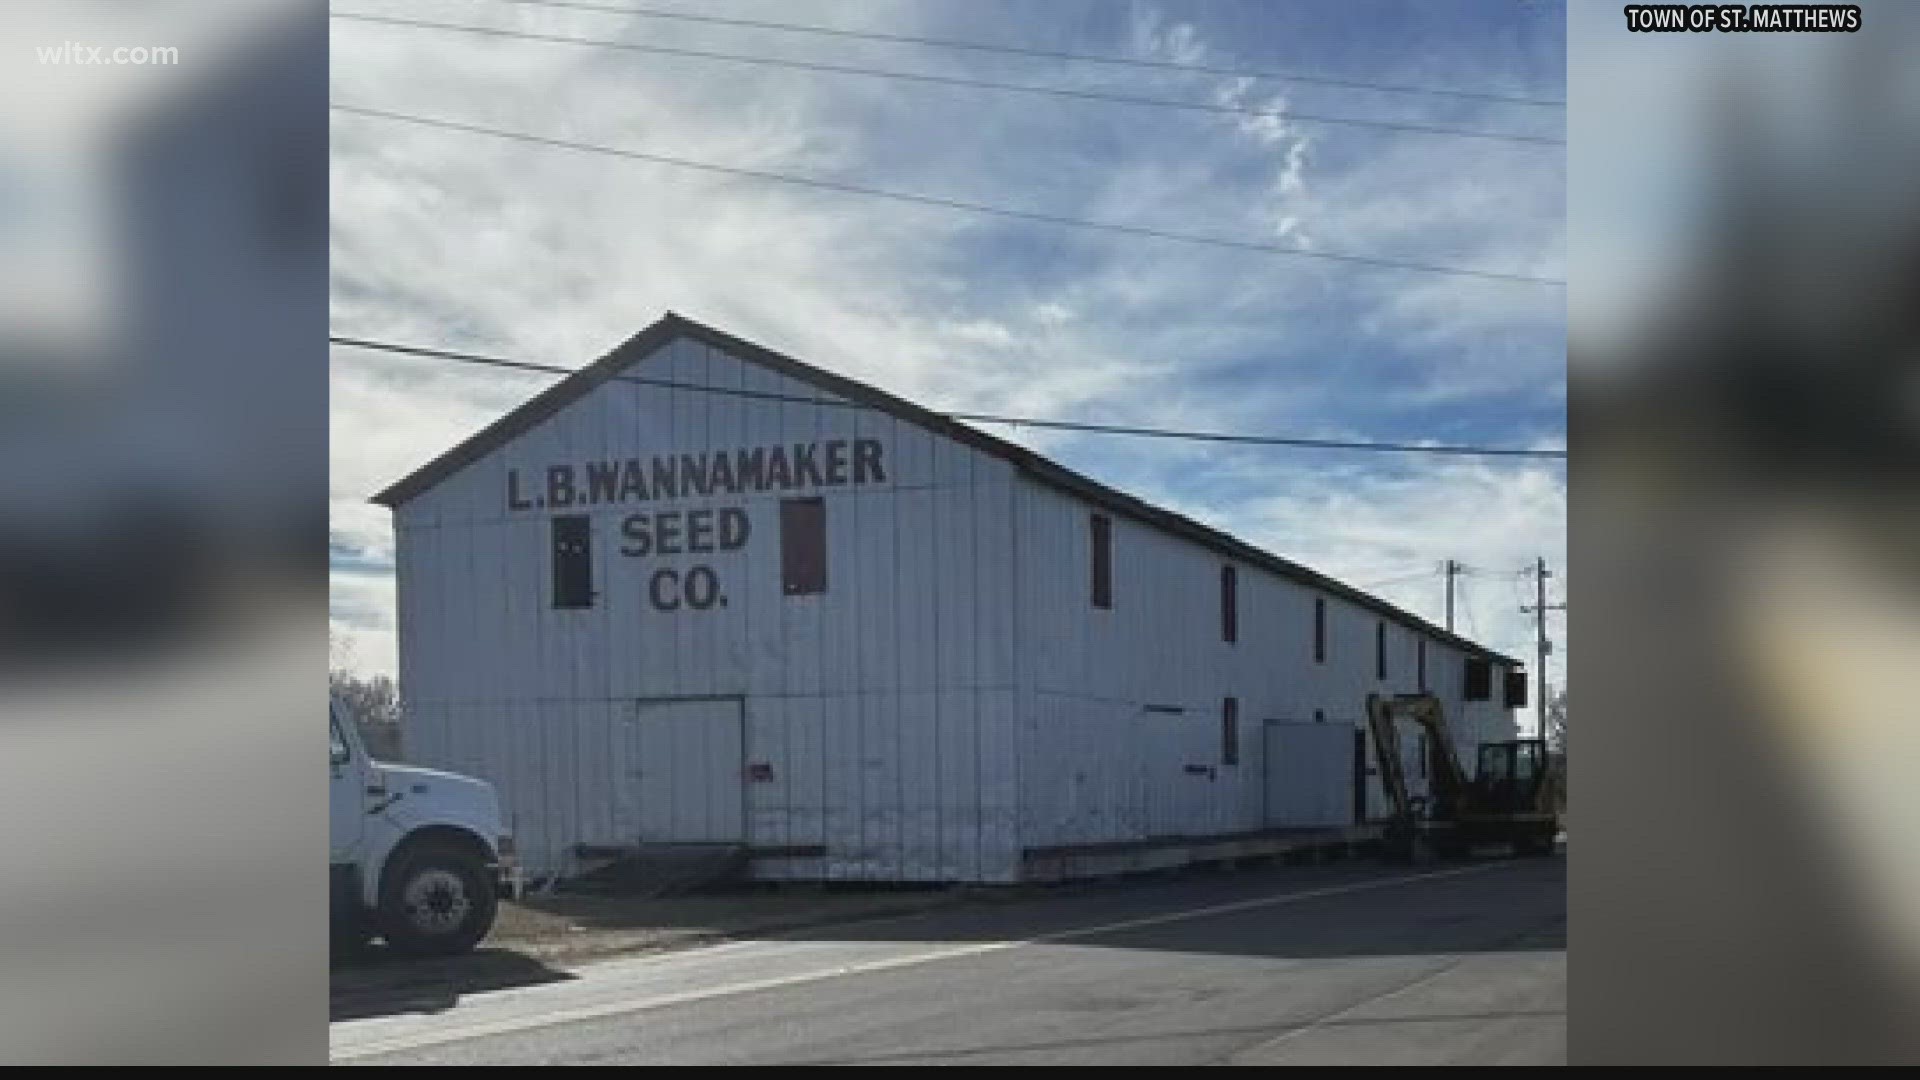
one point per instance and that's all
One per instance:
(457, 240)
(360, 625)
(1393, 530)
(1158, 39)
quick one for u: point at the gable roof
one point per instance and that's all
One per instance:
(672, 327)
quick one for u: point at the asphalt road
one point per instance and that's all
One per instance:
(1353, 964)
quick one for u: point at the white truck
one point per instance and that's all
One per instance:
(419, 857)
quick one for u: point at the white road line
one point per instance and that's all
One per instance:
(421, 1040)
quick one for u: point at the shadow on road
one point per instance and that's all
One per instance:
(375, 982)
(1497, 905)
(1303, 912)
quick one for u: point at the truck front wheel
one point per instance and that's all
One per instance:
(436, 900)
(1535, 843)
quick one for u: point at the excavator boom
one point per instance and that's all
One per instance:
(1513, 798)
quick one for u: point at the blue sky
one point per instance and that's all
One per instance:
(451, 239)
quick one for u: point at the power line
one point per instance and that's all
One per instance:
(1044, 54)
(1401, 578)
(1481, 571)
(946, 80)
(970, 417)
(946, 204)
(1521, 585)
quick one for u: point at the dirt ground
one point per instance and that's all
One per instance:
(537, 938)
(566, 928)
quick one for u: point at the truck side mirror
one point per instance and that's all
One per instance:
(338, 752)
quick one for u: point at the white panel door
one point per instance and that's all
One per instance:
(1180, 770)
(1309, 774)
(686, 770)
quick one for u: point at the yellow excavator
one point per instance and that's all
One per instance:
(1513, 798)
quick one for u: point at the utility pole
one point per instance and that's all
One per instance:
(1543, 647)
(1453, 568)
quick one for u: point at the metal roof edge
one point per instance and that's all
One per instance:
(1036, 466)
(531, 412)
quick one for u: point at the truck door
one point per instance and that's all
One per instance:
(346, 795)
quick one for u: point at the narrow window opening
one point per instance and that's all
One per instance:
(803, 546)
(572, 561)
(1479, 680)
(1101, 527)
(1516, 694)
(1230, 731)
(1319, 630)
(1229, 605)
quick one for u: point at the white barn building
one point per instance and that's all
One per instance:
(700, 592)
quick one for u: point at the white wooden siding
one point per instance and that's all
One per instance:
(1094, 673)
(884, 706)
(951, 699)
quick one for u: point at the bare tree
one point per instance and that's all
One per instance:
(1557, 723)
(374, 703)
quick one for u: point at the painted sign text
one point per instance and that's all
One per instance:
(787, 467)
(708, 530)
